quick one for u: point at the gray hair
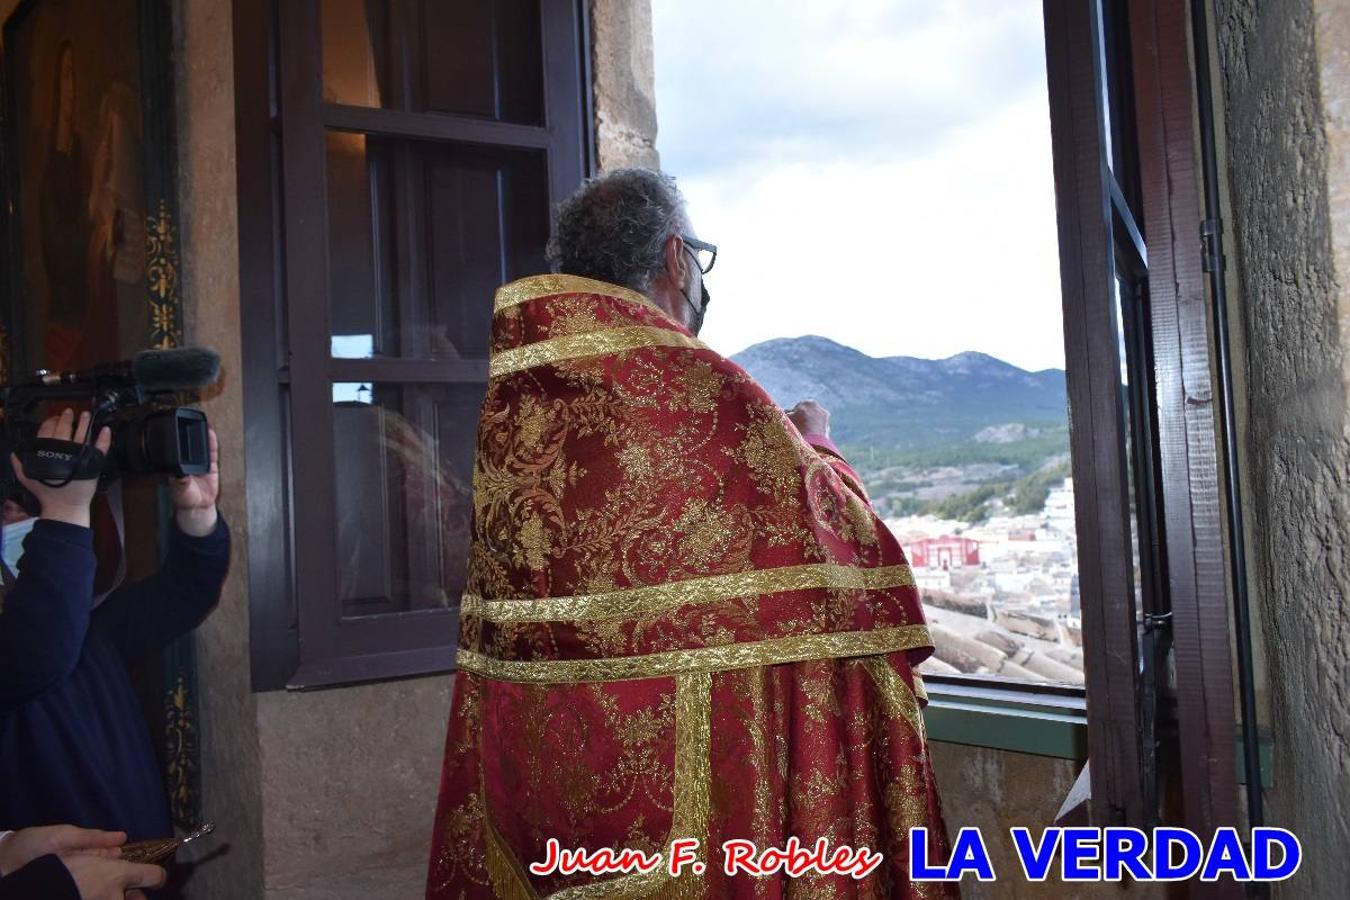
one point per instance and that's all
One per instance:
(615, 227)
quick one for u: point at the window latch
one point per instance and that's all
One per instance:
(1211, 245)
(1156, 621)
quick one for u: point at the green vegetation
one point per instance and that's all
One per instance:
(972, 507)
(1028, 455)
(894, 476)
(1028, 495)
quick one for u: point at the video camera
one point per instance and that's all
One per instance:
(136, 398)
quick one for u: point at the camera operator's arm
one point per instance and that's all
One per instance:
(46, 611)
(143, 617)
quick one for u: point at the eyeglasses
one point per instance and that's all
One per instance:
(705, 254)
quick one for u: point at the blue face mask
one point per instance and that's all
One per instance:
(12, 535)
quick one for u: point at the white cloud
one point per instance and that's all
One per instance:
(876, 172)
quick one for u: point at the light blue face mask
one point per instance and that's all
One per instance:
(13, 535)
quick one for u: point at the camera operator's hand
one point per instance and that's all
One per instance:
(194, 496)
(71, 502)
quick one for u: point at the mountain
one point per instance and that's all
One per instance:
(903, 401)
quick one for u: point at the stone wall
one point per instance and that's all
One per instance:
(625, 83)
(1286, 105)
(232, 799)
(994, 790)
(349, 783)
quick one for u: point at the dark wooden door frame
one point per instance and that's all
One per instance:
(1188, 439)
(273, 623)
(1188, 495)
(1097, 429)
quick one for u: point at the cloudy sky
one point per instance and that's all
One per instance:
(875, 171)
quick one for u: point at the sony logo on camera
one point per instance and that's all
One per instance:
(56, 454)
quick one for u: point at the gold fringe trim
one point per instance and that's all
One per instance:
(658, 598)
(703, 659)
(587, 344)
(536, 287)
(509, 881)
(899, 699)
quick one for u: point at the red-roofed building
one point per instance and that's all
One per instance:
(946, 552)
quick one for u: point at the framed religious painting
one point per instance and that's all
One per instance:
(88, 158)
(90, 266)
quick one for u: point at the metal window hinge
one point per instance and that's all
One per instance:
(1211, 245)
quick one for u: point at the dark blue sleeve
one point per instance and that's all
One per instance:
(45, 612)
(143, 617)
(46, 877)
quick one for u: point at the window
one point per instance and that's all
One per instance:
(925, 311)
(865, 87)
(1151, 547)
(398, 162)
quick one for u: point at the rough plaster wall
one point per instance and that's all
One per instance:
(994, 790)
(1293, 307)
(625, 83)
(210, 288)
(350, 779)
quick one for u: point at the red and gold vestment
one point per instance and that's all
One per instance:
(681, 620)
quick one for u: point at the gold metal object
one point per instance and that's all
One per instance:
(159, 850)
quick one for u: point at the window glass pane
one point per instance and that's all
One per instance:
(904, 151)
(1124, 313)
(1104, 61)
(483, 59)
(362, 289)
(421, 235)
(355, 51)
(404, 465)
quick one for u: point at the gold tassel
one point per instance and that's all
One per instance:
(508, 878)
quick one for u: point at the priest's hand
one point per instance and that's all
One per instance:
(194, 496)
(810, 418)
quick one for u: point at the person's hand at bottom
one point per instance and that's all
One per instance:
(19, 848)
(101, 878)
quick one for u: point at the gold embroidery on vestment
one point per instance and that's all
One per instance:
(542, 286)
(590, 343)
(704, 659)
(657, 598)
(693, 802)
